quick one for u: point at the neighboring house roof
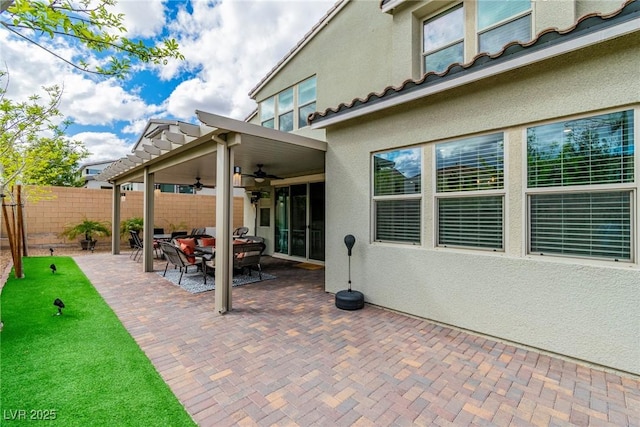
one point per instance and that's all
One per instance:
(585, 25)
(305, 39)
(103, 162)
(153, 127)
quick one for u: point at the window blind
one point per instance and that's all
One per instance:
(397, 220)
(471, 221)
(470, 164)
(396, 195)
(582, 224)
(593, 150)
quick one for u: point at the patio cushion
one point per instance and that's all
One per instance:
(208, 241)
(187, 242)
(188, 251)
(188, 246)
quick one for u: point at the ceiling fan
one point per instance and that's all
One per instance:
(260, 175)
(197, 186)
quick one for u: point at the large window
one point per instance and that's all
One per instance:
(268, 112)
(501, 22)
(443, 40)
(580, 179)
(470, 192)
(397, 179)
(288, 110)
(285, 110)
(306, 100)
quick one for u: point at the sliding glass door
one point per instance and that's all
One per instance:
(299, 218)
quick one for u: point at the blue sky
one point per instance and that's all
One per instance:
(229, 45)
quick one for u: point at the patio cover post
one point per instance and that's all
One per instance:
(224, 206)
(147, 230)
(115, 220)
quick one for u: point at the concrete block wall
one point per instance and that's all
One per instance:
(49, 210)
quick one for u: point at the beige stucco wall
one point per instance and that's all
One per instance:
(48, 210)
(580, 308)
(348, 57)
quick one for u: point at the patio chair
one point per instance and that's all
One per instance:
(247, 255)
(137, 244)
(175, 234)
(174, 255)
(240, 232)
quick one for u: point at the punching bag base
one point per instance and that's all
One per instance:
(349, 300)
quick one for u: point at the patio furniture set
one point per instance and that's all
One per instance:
(197, 250)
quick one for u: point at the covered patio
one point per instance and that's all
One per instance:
(216, 152)
(286, 355)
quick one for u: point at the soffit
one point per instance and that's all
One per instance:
(182, 152)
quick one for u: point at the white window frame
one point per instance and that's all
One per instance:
(295, 108)
(439, 14)
(512, 18)
(441, 195)
(299, 106)
(375, 199)
(630, 187)
(263, 120)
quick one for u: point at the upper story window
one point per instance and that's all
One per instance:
(501, 22)
(443, 40)
(285, 110)
(288, 110)
(306, 100)
(268, 112)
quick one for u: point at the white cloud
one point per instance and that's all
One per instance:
(234, 44)
(103, 145)
(229, 45)
(144, 19)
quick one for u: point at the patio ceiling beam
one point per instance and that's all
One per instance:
(151, 149)
(133, 175)
(163, 144)
(184, 156)
(176, 138)
(225, 125)
(143, 155)
(134, 159)
(189, 129)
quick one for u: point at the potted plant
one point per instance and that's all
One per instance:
(131, 224)
(88, 229)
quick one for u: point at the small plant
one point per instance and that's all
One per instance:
(131, 224)
(176, 227)
(88, 229)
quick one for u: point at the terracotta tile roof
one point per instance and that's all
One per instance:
(586, 24)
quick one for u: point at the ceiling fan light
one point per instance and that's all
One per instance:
(259, 180)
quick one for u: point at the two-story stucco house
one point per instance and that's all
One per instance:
(481, 152)
(500, 195)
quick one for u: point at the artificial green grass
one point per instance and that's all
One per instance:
(78, 369)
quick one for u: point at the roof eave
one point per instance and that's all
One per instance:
(574, 44)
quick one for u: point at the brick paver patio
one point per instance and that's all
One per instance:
(287, 356)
